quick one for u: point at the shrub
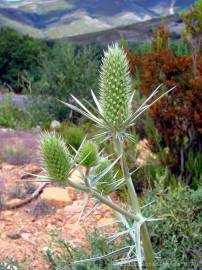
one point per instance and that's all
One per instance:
(178, 116)
(18, 53)
(72, 135)
(9, 265)
(177, 238)
(114, 117)
(10, 115)
(42, 110)
(69, 71)
(15, 154)
(197, 197)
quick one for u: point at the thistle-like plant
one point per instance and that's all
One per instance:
(105, 183)
(55, 156)
(115, 88)
(88, 154)
(114, 116)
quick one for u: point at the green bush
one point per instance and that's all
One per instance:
(68, 70)
(43, 110)
(197, 197)
(98, 245)
(15, 154)
(9, 265)
(13, 117)
(194, 168)
(72, 135)
(19, 53)
(176, 238)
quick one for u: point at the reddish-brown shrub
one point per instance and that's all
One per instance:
(178, 116)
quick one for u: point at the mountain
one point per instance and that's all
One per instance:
(65, 18)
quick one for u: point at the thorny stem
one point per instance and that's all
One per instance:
(146, 242)
(102, 199)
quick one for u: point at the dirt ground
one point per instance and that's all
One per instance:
(26, 231)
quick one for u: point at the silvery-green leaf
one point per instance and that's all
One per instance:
(103, 173)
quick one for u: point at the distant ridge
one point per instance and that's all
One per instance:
(53, 19)
(134, 33)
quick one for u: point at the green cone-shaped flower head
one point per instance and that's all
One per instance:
(88, 155)
(55, 156)
(104, 184)
(115, 87)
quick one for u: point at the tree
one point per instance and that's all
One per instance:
(193, 30)
(18, 54)
(69, 70)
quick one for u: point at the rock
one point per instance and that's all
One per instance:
(27, 238)
(71, 209)
(56, 196)
(8, 213)
(14, 236)
(55, 124)
(106, 221)
(76, 176)
(144, 153)
(7, 167)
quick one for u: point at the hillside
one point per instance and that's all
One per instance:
(137, 32)
(54, 19)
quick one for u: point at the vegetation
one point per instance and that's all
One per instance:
(15, 154)
(67, 70)
(178, 116)
(11, 116)
(72, 135)
(176, 240)
(168, 180)
(19, 56)
(114, 117)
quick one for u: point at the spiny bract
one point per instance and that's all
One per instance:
(88, 155)
(55, 156)
(104, 184)
(115, 87)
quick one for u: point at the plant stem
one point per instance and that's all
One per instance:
(102, 199)
(146, 242)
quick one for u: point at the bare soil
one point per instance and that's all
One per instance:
(26, 231)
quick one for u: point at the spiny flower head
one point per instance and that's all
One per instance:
(55, 156)
(115, 87)
(104, 184)
(88, 155)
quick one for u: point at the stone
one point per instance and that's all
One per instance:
(71, 209)
(14, 236)
(8, 167)
(55, 125)
(56, 196)
(144, 153)
(76, 176)
(8, 213)
(106, 221)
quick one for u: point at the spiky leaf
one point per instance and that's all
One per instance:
(55, 156)
(104, 184)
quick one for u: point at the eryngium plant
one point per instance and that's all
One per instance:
(115, 88)
(88, 154)
(55, 156)
(113, 116)
(105, 183)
